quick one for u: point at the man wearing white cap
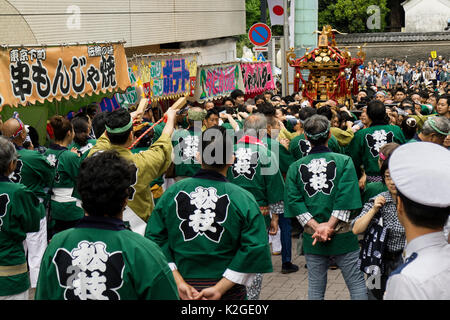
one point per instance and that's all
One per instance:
(421, 173)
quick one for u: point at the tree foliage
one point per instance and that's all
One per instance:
(253, 15)
(351, 16)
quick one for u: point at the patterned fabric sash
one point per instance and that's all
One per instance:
(237, 292)
(374, 179)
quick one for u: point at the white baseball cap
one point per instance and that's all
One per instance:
(421, 172)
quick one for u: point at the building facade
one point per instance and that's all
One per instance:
(145, 25)
(426, 15)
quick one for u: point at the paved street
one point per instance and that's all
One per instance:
(294, 286)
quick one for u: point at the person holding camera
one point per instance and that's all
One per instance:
(382, 209)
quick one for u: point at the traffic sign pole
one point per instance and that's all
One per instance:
(259, 34)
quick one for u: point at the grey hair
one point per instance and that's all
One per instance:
(8, 153)
(316, 129)
(441, 123)
(255, 125)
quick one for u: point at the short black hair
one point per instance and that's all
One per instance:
(306, 112)
(210, 112)
(293, 109)
(98, 124)
(444, 96)
(345, 116)
(228, 99)
(260, 97)
(34, 136)
(268, 92)
(424, 216)
(376, 111)
(237, 93)
(117, 119)
(325, 111)
(288, 99)
(424, 94)
(216, 147)
(266, 109)
(80, 127)
(104, 182)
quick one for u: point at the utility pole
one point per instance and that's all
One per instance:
(263, 11)
(284, 48)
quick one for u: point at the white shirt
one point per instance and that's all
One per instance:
(425, 275)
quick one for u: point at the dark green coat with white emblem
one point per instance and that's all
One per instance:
(365, 146)
(19, 214)
(100, 259)
(320, 183)
(300, 147)
(206, 225)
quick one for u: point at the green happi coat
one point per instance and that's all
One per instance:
(19, 214)
(366, 144)
(65, 203)
(320, 183)
(157, 130)
(35, 172)
(186, 143)
(206, 225)
(100, 259)
(283, 155)
(300, 147)
(256, 169)
(83, 150)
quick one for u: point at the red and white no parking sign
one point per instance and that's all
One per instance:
(260, 34)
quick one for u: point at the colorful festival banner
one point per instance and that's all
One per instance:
(257, 77)
(165, 76)
(217, 81)
(109, 104)
(129, 97)
(35, 74)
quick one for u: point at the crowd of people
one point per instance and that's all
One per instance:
(195, 208)
(389, 73)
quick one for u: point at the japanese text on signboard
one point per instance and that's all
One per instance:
(257, 77)
(165, 77)
(217, 81)
(28, 75)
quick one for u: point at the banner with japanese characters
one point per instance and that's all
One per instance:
(165, 76)
(131, 96)
(35, 74)
(257, 77)
(217, 81)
